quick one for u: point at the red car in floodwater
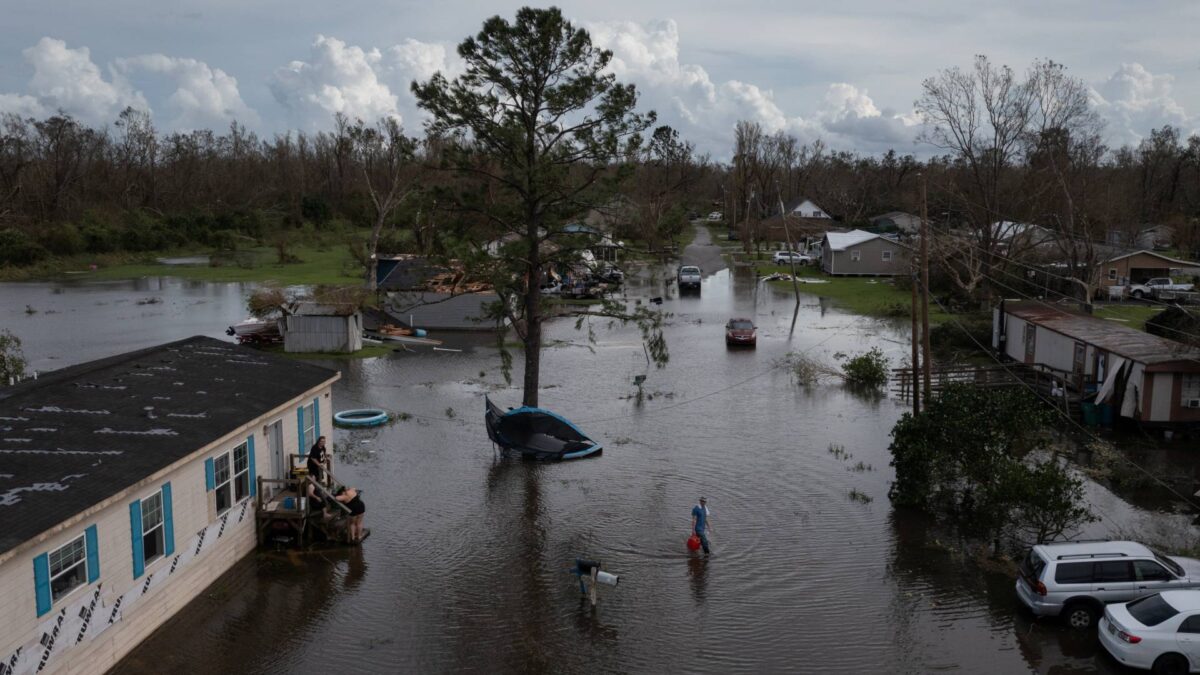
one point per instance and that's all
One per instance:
(740, 332)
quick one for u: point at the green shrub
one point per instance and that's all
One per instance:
(99, 239)
(64, 240)
(18, 248)
(869, 369)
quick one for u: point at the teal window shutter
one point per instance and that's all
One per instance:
(93, 554)
(135, 535)
(41, 583)
(168, 521)
(210, 475)
(316, 418)
(253, 473)
(300, 430)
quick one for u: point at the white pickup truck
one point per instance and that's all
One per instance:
(1156, 286)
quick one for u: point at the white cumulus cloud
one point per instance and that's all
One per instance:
(360, 83)
(1133, 101)
(706, 111)
(67, 79)
(204, 97)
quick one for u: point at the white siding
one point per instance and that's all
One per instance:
(1160, 397)
(1014, 341)
(1054, 349)
(102, 644)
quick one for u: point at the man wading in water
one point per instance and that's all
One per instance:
(700, 522)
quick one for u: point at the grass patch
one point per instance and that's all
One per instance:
(1131, 315)
(871, 296)
(332, 265)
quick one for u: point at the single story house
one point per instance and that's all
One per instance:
(858, 252)
(319, 327)
(1138, 266)
(1143, 376)
(806, 208)
(127, 486)
(898, 221)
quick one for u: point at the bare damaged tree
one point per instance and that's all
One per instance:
(982, 117)
(384, 157)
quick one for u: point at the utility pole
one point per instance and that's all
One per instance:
(925, 290)
(916, 359)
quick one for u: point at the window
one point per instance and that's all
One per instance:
(1146, 570)
(152, 528)
(221, 476)
(1191, 389)
(1073, 573)
(1190, 624)
(1109, 572)
(1151, 610)
(310, 422)
(241, 472)
(855, 256)
(887, 256)
(68, 568)
(1112, 274)
(816, 214)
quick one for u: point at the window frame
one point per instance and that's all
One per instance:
(237, 474)
(226, 484)
(855, 255)
(160, 527)
(887, 255)
(1138, 576)
(310, 425)
(1191, 630)
(1185, 393)
(82, 540)
(1112, 274)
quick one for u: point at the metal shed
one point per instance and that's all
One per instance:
(317, 327)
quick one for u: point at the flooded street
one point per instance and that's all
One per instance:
(467, 566)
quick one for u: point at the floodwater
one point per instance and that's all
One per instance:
(467, 565)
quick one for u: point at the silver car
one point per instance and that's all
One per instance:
(1076, 580)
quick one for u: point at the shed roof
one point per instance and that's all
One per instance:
(839, 241)
(1107, 335)
(309, 308)
(77, 436)
(1184, 264)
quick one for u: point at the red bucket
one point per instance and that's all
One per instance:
(693, 543)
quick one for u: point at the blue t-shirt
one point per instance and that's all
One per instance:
(700, 513)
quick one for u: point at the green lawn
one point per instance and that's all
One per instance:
(1132, 315)
(871, 296)
(330, 265)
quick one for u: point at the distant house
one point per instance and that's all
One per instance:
(316, 327)
(1013, 235)
(898, 221)
(861, 253)
(128, 485)
(1137, 267)
(806, 208)
(1146, 237)
(1143, 376)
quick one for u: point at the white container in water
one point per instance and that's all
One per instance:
(607, 579)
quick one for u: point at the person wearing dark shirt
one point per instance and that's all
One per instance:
(350, 498)
(318, 461)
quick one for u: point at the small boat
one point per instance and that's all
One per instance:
(256, 330)
(537, 433)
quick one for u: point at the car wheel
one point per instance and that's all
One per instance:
(1138, 294)
(1080, 615)
(1170, 664)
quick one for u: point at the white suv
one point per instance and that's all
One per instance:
(785, 257)
(1076, 580)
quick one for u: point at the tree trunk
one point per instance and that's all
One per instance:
(533, 316)
(372, 250)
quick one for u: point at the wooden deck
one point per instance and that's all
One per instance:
(283, 512)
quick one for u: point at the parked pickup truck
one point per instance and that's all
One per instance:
(1153, 287)
(689, 277)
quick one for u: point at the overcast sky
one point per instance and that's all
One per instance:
(847, 72)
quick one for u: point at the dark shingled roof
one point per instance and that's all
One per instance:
(75, 437)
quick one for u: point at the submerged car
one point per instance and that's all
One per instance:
(1159, 632)
(1075, 580)
(740, 332)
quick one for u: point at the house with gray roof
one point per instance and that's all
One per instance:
(861, 253)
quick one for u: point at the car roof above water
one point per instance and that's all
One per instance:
(1092, 548)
